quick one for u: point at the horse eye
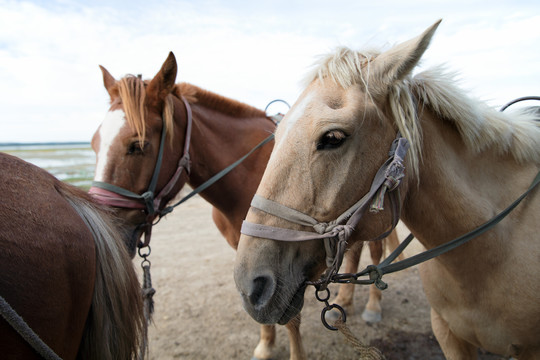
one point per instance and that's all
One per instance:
(331, 140)
(137, 148)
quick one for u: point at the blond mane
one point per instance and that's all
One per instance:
(481, 127)
(132, 92)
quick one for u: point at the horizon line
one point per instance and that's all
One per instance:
(45, 143)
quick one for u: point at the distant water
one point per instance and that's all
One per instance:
(70, 162)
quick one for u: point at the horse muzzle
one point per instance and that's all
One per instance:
(266, 299)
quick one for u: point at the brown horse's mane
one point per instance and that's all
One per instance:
(132, 92)
(195, 94)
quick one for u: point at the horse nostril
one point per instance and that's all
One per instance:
(261, 290)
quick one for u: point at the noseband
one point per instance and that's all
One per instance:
(116, 196)
(336, 233)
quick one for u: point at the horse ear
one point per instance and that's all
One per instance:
(108, 80)
(163, 83)
(396, 63)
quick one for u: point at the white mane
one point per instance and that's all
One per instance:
(480, 126)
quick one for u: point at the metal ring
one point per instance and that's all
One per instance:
(524, 98)
(274, 101)
(144, 255)
(322, 299)
(328, 308)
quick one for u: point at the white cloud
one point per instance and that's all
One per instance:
(496, 60)
(253, 51)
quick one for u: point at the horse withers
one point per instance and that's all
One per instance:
(466, 163)
(65, 270)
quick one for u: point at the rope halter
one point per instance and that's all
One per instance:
(336, 233)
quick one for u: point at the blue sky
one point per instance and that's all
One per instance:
(254, 51)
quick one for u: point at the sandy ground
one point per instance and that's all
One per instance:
(198, 313)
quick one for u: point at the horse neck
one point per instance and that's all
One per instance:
(458, 190)
(217, 141)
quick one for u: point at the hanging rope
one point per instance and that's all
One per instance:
(366, 352)
(18, 323)
(148, 302)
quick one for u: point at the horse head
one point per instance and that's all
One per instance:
(328, 150)
(136, 155)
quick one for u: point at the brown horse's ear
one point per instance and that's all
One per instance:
(396, 63)
(108, 80)
(163, 83)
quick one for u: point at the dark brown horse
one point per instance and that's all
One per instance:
(65, 270)
(128, 142)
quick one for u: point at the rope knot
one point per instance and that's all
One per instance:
(321, 227)
(375, 275)
(394, 174)
(335, 246)
(343, 232)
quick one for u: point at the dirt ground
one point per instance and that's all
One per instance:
(198, 312)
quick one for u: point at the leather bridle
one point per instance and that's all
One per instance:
(152, 204)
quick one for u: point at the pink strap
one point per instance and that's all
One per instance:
(110, 198)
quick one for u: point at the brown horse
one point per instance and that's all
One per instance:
(466, 163)
(65, 270)
(127, 146)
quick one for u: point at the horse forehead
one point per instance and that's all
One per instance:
(109, 130)
(321, 104)
(305, 110)
(302, 121)
(112, 125)
(299, 111)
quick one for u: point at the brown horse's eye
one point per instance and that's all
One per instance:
(137, 148)
(331, 140)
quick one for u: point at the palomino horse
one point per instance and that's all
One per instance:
(465, 164)
(65, 271)
(223, 130)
